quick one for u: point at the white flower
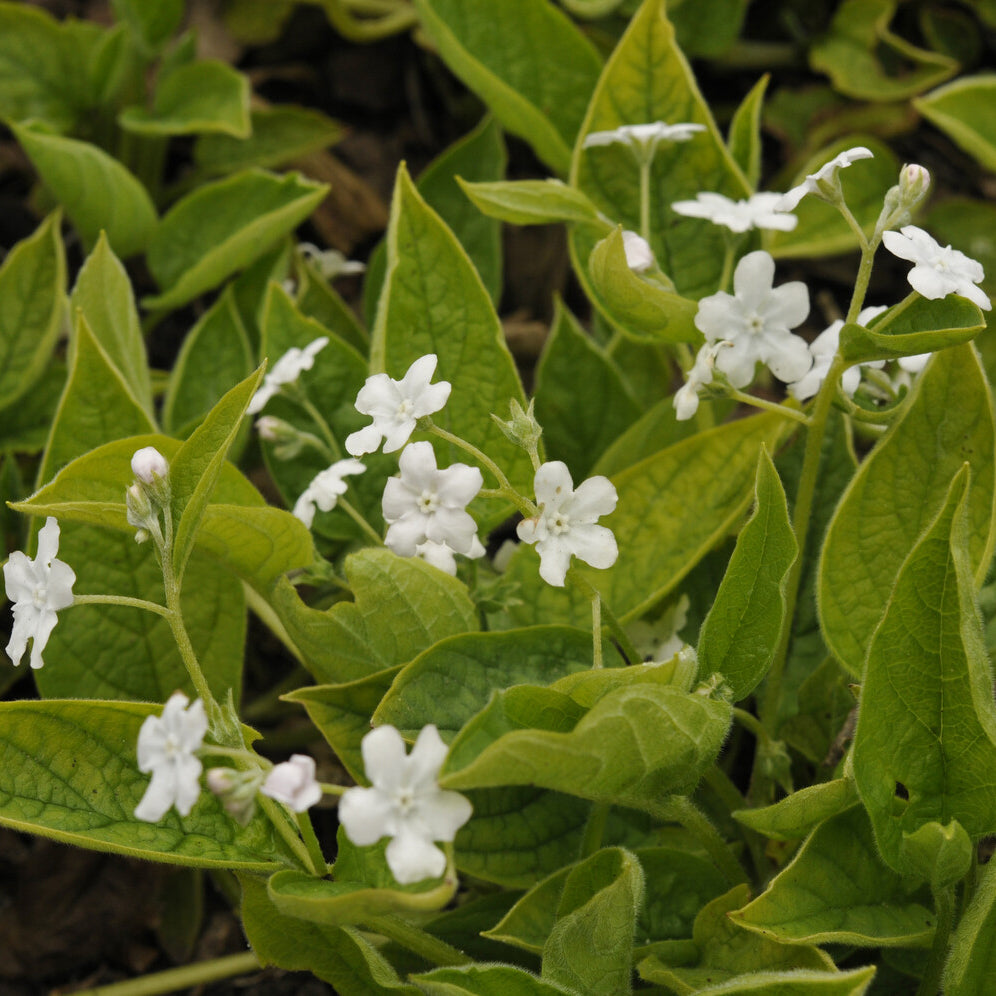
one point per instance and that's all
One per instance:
(293, 783)
(939, 270)
(330, 263)
(686, 398)
(826, 174)
(405, 803)
(395, 405)
(824, 349)
(643, 139)
(756, 320)
(639, 255)
(659, 640)
(325, 489)
(758, 211)
(166, 746)
(148, 463)
(441, 555)
(914, 364)
(429, 504)
(566, 525)
(38, 588)
(286, 370)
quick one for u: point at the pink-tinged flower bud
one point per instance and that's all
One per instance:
(148, 463)
(914, 182)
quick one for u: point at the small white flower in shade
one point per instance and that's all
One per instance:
(659, 640)
(756, 320)
(395, 406)
(286, 370)
(330, 263)
(758, 211)
(824, 349)
(686, 398)
(425, 503)
(148, 463)
(639, 255)
(405, 803)
(38, 588)
(824, 175)
(643, 139)
(939, 270)
(325, 489)
(166, 746)
(566, 524)
(293, 783)
(441, 555)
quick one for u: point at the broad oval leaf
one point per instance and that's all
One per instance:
(487, 980)
(793, 817)
(957, 109)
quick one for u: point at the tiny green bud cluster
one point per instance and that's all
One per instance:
(149, 494)
(522, 428)
(902, 199)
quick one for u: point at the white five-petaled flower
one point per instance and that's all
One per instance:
(758, 211)
(286, 370)
(643, 139)
(166, 746)
(405, 803)
(939, 270)
(325, 489)
(826, 174)
(442, 555)
(639, 255)
(824, 349)
(330, 263)
(756, 319)
(38, 588)
(425, 503)
(293, 783)
(566, 523)
(395, 406)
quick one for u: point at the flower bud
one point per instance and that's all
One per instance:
(914, 182)
(639, 255)
(522, 428)
(138, 511)
(236, 790)
(293, 783)
(148, 463)
(287, 440)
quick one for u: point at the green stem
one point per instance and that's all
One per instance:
(432, 949)
(583, 585)
(298, 395)
(594, 830)
(930, 984)
(329, 788)
(853, 224)
(311, 841)
(357, 517)
(768, 406)
(135, 603)
(898, 309)
(682, 810)
(645, 163)
(177, 979)
(288, 830)
(750, 722)
(731, 249)
(596, 630)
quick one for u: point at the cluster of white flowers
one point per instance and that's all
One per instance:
(285, 371)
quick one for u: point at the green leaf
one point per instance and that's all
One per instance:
(340, 956)
(98, 193)
(793, 817)
(202, 96)
(401, 607)
(152, 24)
(279, 135)
(639, 306)
(648, 79)
(642, 740)
(69, 772)
(527, 61)
(940, 855)
(794, 982)
(486, 980)
(898, 491)
(590, 945)
(32, 283)
(924, 326)
(673, 508)
(214, 357)
(837, 890)
(222, 227)
(927, 720)
(654, 431)
(963, 111)
(971, 963)
(740, 635)
(822, 230)
(103, 294)
(572, 368)
(859, 48)
(317, 299)
(707, 28)
(454, 679)
(744, 139)
(533, 202)
(434, 302)
(25, 426)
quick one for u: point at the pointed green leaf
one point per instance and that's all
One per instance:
(837, 890)
(32, 284)
(795, 982)
(533, 202)
(25, 426)
(318, 299)
(971, 964)
(898, 491)
(486, 980)
(960, 110)
(401, 607)
(744, 138)
(740, 635)
(527, 61)
(590, 945)
(793, 817)
(103, 294)
(655, 430)
(97, 192)
(151, 23)
(221, 228)
(202, 96)
(927, 720)
(648, 79)
(69, 772)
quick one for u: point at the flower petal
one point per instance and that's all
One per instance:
(426, 759)
(412, 858)
(443, 812)
(383, 752)
(595, 545)
(364, 814)
(594, 497)
(553, 483)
